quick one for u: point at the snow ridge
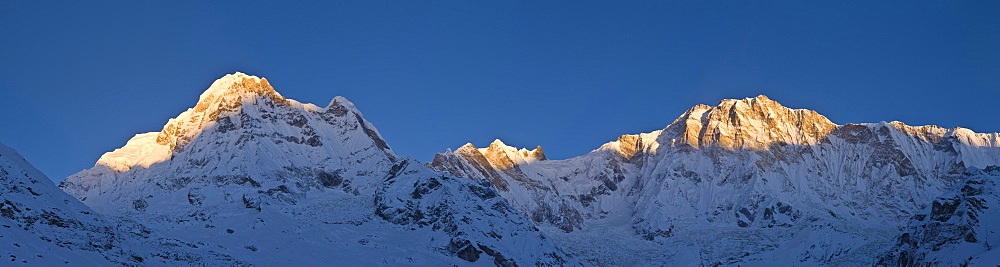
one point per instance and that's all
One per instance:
(254, 173)
(753, 169)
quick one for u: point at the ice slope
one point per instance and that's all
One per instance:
(744, 182)
(43, 226)
(273, 181)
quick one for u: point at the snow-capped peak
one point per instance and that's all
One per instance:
(751, 182)
(750, 123)
(503, 156)
(255, 174)
(341, 101)
(497, 142)
(238, 102)
(238, 83)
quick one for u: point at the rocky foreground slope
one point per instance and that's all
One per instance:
(744, 182)
(272, 181)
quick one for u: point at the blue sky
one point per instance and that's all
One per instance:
(78, 79)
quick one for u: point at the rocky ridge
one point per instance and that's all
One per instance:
(750, 168)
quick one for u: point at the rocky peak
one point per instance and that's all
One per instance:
(467, 147)
(248, 107)
(750, 123)
(497, 144)
(629, 145)
(537, 153)
(504, 157)
(226, 96)
(339, 102)
(238, 84)
(497, 155)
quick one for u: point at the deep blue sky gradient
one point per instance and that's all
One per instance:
(79, 78)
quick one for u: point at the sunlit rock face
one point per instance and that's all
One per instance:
(273, 181)
(501, 165)
(745, 181)
(226, 96)
(749, 124)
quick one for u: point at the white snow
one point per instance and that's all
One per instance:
(43, 226)
(747, 182)
(272, 181)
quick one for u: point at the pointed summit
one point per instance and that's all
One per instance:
(249, 165)
(238, 83)
(497, 143)
(232, 90)
(247, 110)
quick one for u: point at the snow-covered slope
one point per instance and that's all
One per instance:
(43, 226)
(957, 229)
(744, 182)
(273, 181)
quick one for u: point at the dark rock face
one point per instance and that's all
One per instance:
(330, 180)
(448, 205)
(468, 252)
(955, 229)
(379, 142)
(140, 204)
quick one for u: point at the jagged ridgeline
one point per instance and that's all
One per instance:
(272, 181)
(747, 181)
(249, 177)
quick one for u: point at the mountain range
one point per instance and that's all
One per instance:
(249, 177)
(744, 182)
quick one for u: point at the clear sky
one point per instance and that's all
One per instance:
(79, 78)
